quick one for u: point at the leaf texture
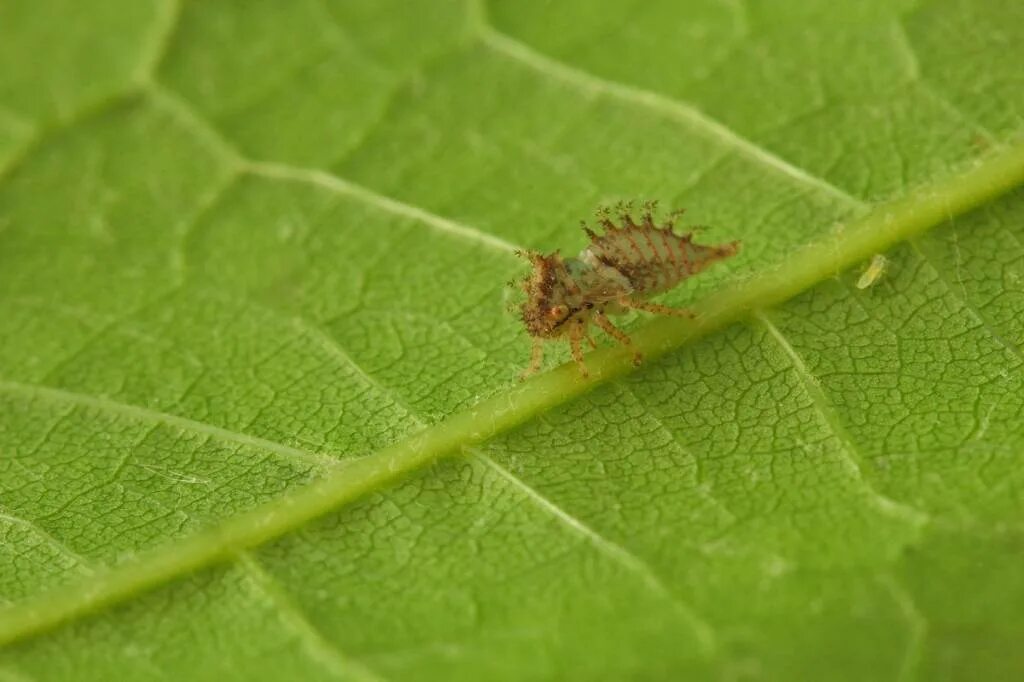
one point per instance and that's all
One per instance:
(252, 266)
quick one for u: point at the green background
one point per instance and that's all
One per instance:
(244, 241)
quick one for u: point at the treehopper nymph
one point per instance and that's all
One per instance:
(621, 268)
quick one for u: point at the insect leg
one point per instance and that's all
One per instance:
(590, 339)
(536, 355)
(604, 323)
(656, 308)
(576, 335)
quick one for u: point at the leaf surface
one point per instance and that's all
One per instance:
(252, 259)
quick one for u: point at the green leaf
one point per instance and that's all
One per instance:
(258, 408)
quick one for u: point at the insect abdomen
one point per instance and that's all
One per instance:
(653, 259)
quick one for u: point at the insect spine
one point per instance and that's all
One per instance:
(620, 268)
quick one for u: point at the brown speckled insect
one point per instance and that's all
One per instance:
(629, 262)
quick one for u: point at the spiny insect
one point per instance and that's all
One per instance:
(620, 268)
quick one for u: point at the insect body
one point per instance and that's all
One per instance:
(873, 272)
(620, 268)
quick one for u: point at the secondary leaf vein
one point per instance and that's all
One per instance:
(61, 396)
(80, 562)
(848, 448)
(617, 553)
(675, 109)
(973, 309)
(316, 646)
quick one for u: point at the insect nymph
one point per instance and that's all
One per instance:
(622, 267)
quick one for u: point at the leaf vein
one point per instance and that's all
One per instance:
(847, 446)
(187, 115)
(168, 20)
(677, 441)
(912, 64)
(314, 644)
(80, 562)
(387, 204)
(917, 626)
(887, 224)
(672, 108)
(62, 396)
(964, 299)
(617, 553)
